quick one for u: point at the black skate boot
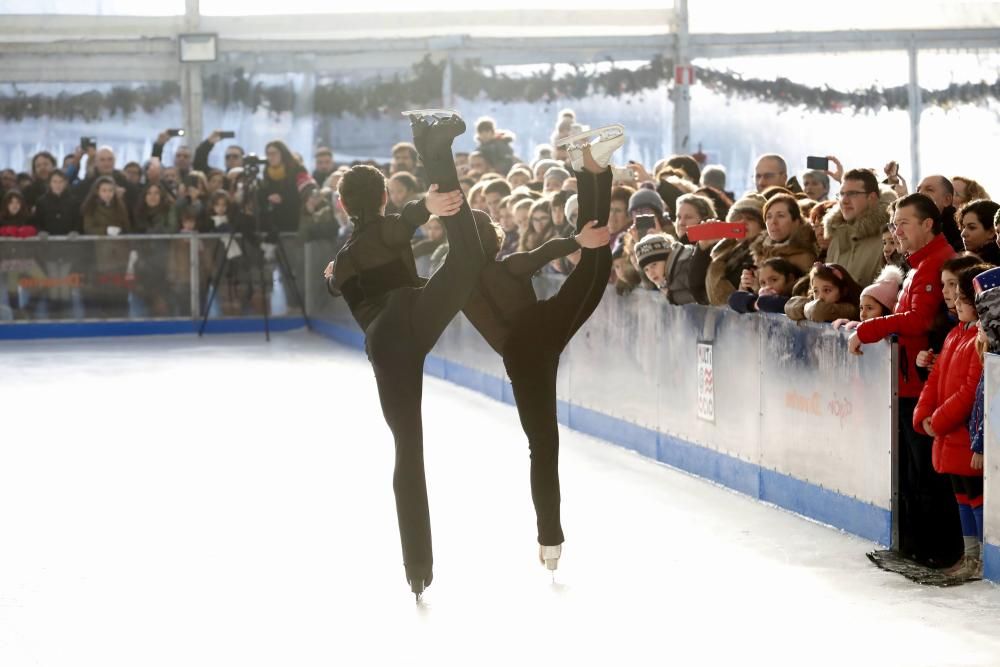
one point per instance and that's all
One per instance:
(417, 588)
(419, 578)
(434, 130)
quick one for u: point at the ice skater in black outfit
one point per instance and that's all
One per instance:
(530, 334)
(402, 315)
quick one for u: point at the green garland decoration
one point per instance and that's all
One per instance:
(422, 85)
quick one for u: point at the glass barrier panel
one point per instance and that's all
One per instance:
(95, 278)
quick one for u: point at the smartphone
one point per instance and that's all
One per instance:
(713, 231)
(820, 163)
(87, 142)
(644, 223)
(622, 173)
(226, 134)
(175, 133)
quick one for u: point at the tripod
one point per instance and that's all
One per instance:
(250, 195)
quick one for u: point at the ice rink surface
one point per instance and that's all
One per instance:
(169, 501)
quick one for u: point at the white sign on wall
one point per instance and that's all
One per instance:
(706, 383)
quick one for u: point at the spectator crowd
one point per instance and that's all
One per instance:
(850, 246)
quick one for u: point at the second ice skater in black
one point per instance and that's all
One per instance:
(530, 334)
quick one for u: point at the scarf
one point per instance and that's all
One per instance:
(276, 173)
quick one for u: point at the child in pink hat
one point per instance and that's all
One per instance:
(878, 299)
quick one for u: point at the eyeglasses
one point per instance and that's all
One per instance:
(233, 156)
(850, 193)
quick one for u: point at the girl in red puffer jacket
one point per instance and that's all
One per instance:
(943, 412)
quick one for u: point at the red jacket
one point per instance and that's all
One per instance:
(915, 311)
(947, 399)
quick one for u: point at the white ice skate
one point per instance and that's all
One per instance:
(549, 556)
(603, 141)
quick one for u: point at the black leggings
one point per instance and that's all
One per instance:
(397, 342)
(531, 354)
(929, 526)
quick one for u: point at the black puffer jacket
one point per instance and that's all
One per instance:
(57, 215)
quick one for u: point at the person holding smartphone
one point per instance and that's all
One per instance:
(730, 258)
(182, 156)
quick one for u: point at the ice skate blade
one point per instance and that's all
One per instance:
(603, 142)
(435, 113)
(594, 136)
(417, 587)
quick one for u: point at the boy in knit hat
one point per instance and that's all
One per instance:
(651, 254)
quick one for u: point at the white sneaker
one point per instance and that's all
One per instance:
(603, 142)
(549, 556)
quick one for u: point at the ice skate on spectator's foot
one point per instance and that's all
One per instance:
(549, 556)
(603, 141)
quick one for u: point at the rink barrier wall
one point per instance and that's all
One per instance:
(112, 328)
(991, 469)
(823, 505)
(787, 415)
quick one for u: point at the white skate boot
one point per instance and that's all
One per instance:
(549, 556)
(603, 141)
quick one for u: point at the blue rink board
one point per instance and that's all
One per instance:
(34, 330)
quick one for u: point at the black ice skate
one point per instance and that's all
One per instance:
(434, 129)
(418, 588)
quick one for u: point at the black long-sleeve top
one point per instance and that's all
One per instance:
(376, 260)
(504, 290)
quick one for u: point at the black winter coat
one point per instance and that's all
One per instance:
(283, 217)
(57, 215)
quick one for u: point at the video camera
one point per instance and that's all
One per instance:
(252, 165)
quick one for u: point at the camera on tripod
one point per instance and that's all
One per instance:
(252, 165)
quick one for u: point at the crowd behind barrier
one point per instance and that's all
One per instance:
(144, 277)
(846, 247)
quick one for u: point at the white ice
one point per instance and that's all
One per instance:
(181, 502)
